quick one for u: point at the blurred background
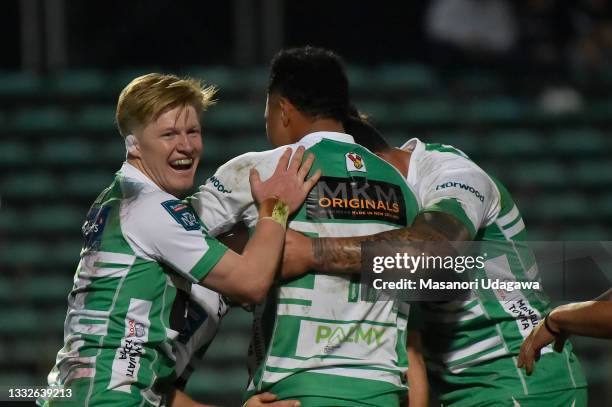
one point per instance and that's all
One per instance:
(524, 88)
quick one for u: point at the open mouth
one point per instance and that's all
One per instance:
(182, 165)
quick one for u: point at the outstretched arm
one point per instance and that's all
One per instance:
(589, 318)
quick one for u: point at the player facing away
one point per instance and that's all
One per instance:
(315, 338)
(471, 346)
(144, 248)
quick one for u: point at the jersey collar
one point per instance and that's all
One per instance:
(415, 146)
(129, 171)
(411, 145)
(317, 136)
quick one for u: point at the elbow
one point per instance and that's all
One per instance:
(255, 297)
(253, 294)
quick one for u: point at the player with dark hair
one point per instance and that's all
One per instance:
(472, 345)
(315, 338)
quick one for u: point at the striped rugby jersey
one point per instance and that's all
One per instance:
(143, 249)
(472, 346)
(315, 334)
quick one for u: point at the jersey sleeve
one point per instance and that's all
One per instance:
(457, 186)
(162, 228)
(225, 198)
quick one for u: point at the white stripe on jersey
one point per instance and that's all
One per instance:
(294, 310)
(472, 349)
(290, 363)
(296, 292)
(508, 218)
(275, 377)
(488, 356)
(91, 328)
(339, 229)
(514, 230)
(90, 269)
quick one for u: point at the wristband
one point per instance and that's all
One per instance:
(280, 213)
(548, 328)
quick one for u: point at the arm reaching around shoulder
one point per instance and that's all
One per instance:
(589, 318)
(418, 386)
(343, 254)
(248, 277)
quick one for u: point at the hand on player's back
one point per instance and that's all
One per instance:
(288, 181)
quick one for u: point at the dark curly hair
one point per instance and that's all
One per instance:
(313, 79)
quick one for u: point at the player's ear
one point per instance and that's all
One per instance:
(286, 110)
(131, 146)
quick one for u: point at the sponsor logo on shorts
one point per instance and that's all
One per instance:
(455, 184)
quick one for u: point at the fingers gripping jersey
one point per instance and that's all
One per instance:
(143, 249)
(465, 342)
(315, 334)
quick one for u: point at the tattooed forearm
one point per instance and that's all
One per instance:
(341, 255)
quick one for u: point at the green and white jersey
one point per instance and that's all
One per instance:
(205, 310)
(471, 346)
(143, 249)
(315, 337)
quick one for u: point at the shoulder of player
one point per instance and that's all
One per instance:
(155, 210)
(446, 158)
(238, 167)
(441, 164)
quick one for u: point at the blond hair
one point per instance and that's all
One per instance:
(146, 97)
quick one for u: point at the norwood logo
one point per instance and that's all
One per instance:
(454, 184)
(219, 185)
(356, 199)
(336, 336)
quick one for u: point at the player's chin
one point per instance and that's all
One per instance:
(181, 186)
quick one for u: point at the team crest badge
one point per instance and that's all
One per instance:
(354, 162)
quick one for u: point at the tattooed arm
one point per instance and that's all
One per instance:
(343, 254)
